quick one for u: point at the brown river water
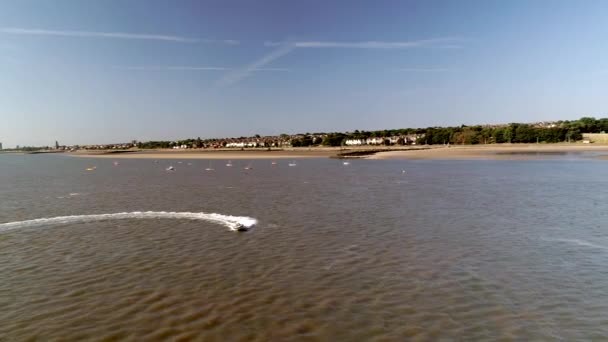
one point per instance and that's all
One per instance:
(447, 250)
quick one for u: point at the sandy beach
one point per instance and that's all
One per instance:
(506, 152)
(501, 152)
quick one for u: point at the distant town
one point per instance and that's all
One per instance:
(586, 129)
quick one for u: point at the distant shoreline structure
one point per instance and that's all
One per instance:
(436, 152)
(422, 152)
(586, 129)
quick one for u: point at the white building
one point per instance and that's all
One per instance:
(375, 141)
(354, 142)
(235, 144)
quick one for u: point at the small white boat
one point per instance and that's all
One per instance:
(170, 168)
(248, 167)
(293, 163)
(210, 168)
(274, 163)
(346, 163)
(229, 164)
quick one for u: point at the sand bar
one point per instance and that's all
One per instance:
(499, 152)
(432, 152)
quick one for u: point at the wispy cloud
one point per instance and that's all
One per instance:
(240, 74)
(284, 48)
(190, 68)
(111, 35)
(439, 42)
(272, 69)
(176, 68)
(194, 68)
(425, 69)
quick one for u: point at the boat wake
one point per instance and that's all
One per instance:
(233, 222)
(577, 242)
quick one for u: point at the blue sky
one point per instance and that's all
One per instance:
(109, 71)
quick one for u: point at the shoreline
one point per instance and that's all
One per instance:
(423, 152)
(494, 152)
(209, 154)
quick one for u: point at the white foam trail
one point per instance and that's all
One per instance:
(578, 242)
(232, 222)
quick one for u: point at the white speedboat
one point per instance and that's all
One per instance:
(170, 168)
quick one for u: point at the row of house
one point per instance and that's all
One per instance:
(409, 139)
(109, 147)
(120, 146)
(268, 141)
(243, 144)
(544, 124)
(257, 142)
(235, 143)
(286, 141)
(180, 147)
(262, 142)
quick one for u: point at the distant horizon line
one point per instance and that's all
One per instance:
(334, 132)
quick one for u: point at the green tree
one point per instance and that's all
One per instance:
(507, 134)
(524, 134)
(333, 139)
(588, 124)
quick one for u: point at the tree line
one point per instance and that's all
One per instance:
(558, 131)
